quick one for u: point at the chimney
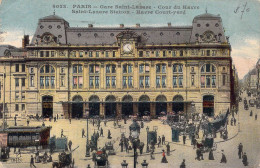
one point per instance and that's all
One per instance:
(25, 41)
(121, 25)
(137, 25)
(169, 24)
(90, 25)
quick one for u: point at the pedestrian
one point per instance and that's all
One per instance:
(114, 124)
(223, 158)
(57, 116)
(168, 148)
(255, 116)
(184, 138)
(141, 147)
(28, 122)
(83, 133)
(93, 122)
(151, 155)
(70, 144)
(105, 123)
(121, 144)
(163, 140)
(240, 150)
(142, 124)
(43, 124)
(235, 121)
(32, 162)
(198, 154)
(101, 132)
(55, 119)
(244, 159)
(231, 121)
(109, 135)
(183, 164)
(126, 145)
(61, 133)
(211, 156)
(251, 113)
(70, 120)
(164, 160)
(159, 141)
(125, 120)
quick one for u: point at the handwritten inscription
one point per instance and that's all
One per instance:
(127, 9)
(242, 9)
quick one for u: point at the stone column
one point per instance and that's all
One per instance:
(119, 109)
(152, 110)
(135, 108)
(102, 109)
(169, 107)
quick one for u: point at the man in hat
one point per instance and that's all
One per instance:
(159, 141)
(223, 158)
(168, 149)
(244, 159)
(211, 157)
(255, 116)
(240, 150)
(163, 140)
(83, 133)
(183, 164)
(184, 139)
(32, 162)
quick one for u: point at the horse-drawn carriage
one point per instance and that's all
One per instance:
(64, 160)
(101, 159)
(207, 144)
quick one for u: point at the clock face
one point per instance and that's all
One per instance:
(208, 36)
(127, 48)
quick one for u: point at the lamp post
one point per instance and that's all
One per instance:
(134, 132)
(144, 164)
(147, 146)
(124, 164)
(87, 145)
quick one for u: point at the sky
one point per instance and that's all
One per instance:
(21, 16)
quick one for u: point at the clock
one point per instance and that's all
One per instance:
(127, 47)
(47, 38)
(208, 36)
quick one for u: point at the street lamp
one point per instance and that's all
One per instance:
(147, 147)
(124, 164)
(144, 164)
(134, 132)
(87, 145)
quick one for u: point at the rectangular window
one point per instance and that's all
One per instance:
(47, 53)
(202, 80)
(130, 81)
(47, 81)
(16, 82)
(164, 53)
(147, 68)
(158, 81)
(158, 68)
(97, 81)
(157, 53)
(107, 68)
(108, 81)
(23, 81)
(114, 54)
(90, 54)
(80, 81)
(181, 52)
(41, 54)
(52, 53)
(81, 54)
(107, 54)
(23, 95)
(223, 80)
(141, 68)
(124, 68)
(174, 68)
(23, 67)
(41, 81)
(16, 107)
(97, 54)
(130, 68)
(75, 81)
(91, 69)
(31, 70)
(113, 81)
(23, 107)
(214, 52)
(16, 67)
(80, 68)
(207, 67)
(124, 81)
(113, 69)
(52, 81)
(140, 53)
(47, 69)
(180, 68)
(86, 53)
(208, 81)
(147, 53)
(96, 68)
(174, 53)
(163, 68)
(75, 69)
(141, 81)
(180, 80)
(91, 81)
(213, 80)
(174, 81)
(16, 95)
(62, 81)
(208, 52)
(147, 81)
(164, 81)
(202, 52)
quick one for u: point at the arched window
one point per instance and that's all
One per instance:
(94, 76)
(47, 77)
(77, 76)
(208, 76)
(161, 75)
(177, 79)
(127, 76)
(110, 76)
(144, 77)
